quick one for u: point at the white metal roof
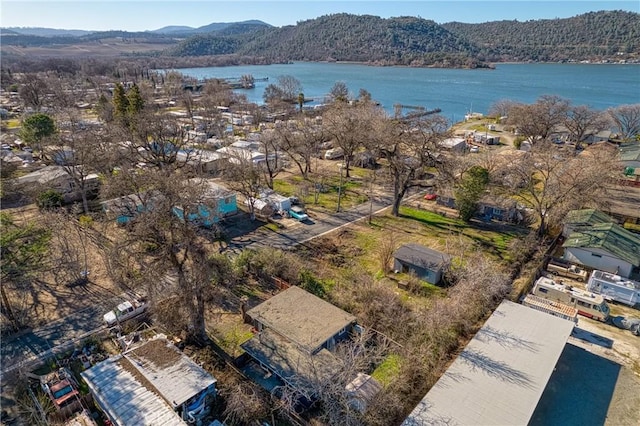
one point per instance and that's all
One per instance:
(176, 377)
(499, 377)
(126, 400)
(143, 386)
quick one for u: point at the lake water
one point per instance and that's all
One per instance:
(454, 91)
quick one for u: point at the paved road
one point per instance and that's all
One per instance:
(30, 345)
(300, 233)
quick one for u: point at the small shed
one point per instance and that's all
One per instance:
(454, 144)
(426, 263)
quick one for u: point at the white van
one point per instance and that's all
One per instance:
(333, 154)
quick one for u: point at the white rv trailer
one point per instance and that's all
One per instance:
(588, 304)
(614, 287)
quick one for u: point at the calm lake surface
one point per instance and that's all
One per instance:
(454, 91)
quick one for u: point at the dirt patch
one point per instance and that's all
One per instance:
(60, 288)
(157, 352)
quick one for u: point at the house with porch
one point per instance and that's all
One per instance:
(296, 334)
(489, 208)
(427, 264)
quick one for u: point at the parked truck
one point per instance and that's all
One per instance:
(557, 267)
(124, 311)
(614, 287)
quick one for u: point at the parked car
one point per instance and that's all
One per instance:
(124, 311)
(474, 149)
(334, 154)
(298, 213)
(631, 324)
(430, 196)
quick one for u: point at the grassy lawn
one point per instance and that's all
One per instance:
(229, 336)
(352, 192)
(388, 369)
(494, 242)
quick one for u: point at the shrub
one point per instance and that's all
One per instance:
(50, 200)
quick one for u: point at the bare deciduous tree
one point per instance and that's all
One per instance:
(538, 120)
(552, 184)
(627, 120)
(388, 246)
(244, 176)
(581, 120)
(352, 127)
(409, 148)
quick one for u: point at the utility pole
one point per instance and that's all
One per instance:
(339, 188)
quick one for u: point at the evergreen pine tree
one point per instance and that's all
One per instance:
(120, 102)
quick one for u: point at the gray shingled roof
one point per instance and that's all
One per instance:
(301, 317)
(418, 255)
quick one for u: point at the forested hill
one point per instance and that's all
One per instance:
(345, 37)
(596, 36)
(587, 36)
(421, 42)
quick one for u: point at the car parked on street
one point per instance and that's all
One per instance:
(298, 213)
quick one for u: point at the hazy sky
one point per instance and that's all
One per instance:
(144, 15)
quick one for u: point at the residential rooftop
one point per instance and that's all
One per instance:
(420, 255)
(297, 367)
(630, 152)
(118, 390)
(172, 373)
(587, 217)
(146, 384)
(499, 377)
(301, 317)
(610, 237)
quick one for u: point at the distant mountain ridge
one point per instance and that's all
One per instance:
(46, 32)
(405, 40)
(421, 42)
(169, 30)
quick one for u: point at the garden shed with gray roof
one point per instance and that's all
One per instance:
(425, 263)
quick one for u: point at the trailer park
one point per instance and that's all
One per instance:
(293, 331)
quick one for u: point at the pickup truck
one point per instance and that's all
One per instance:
(124, 311)
(297, 212)
(567, 270)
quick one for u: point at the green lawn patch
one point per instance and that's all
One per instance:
(231, 339)
(388, 370)
(494, 242)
